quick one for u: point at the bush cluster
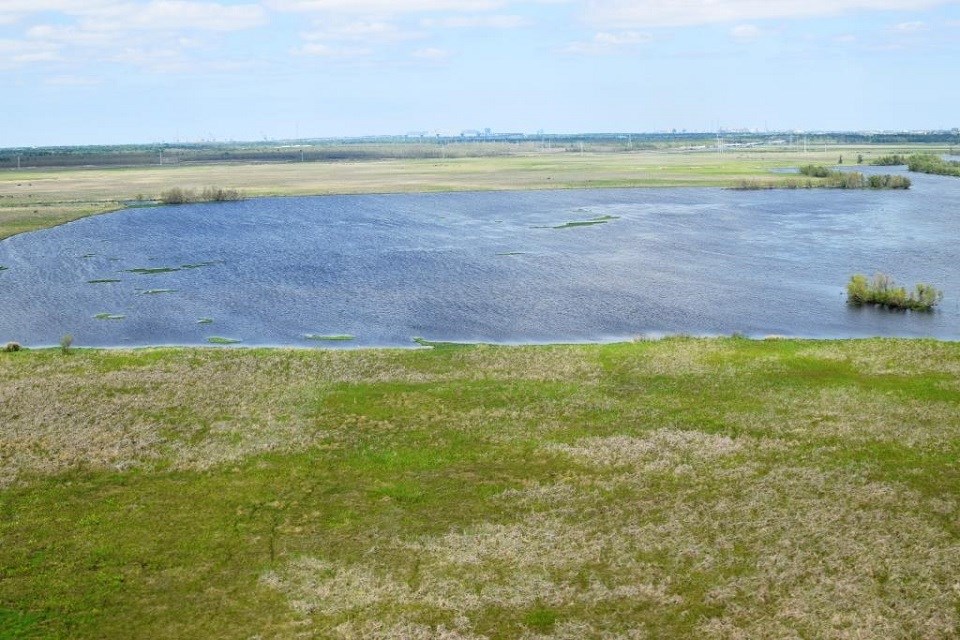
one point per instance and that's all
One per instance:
(815, 171)
(882, 291)
(888, 182)
(851, 179)
(890, 161)
(176, 195)
(930, 163)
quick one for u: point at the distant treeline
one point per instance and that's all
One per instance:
(430, 147)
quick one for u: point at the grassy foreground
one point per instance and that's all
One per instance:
(681, 488)
(39, 198)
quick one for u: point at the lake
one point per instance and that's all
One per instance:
(501, 267)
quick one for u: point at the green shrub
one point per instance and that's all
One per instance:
(65, 343)
(219, 194)
(176, 195)
(930, 163)
(815, 171)
(884, 292)
(890, 161)
(851, 179)
(889, 182)
(752, 184)
(12, 346)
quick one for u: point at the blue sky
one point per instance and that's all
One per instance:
(115, 71)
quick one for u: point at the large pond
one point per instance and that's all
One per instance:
(499, 267)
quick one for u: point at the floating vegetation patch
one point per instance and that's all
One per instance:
(150, 292)
(512, 253)
(222, 340)
(434, 344)
(109, 316)
(103, 280)
(335, 337)
(205, 321)
(199, 265)
(88, 255)
(582, 223)
(3, 268)
(152, 270)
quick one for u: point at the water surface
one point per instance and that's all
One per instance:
(500, 267)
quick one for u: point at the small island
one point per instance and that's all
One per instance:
(882, 291)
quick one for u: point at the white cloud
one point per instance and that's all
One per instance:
(383, 7)
(320, 49)
(432, 54)
(156, 15)
(72, 81)
(20, 52)
(910, 27)
(93, 32)
(168, 15)
(607, 42)
(475, 22)
(370, 32)
(746, 32)
(676, 13)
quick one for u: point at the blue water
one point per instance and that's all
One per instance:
(387, 268)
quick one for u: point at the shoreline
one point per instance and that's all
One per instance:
(439, 345)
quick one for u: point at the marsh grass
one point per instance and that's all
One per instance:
(678, 488)
(222, 340)
(109, 316)
(103, 280)
(329, 337)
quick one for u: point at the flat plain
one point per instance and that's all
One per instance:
(712, 488)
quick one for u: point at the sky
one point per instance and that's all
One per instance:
(150, 71)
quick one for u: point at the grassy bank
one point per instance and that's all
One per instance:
(40, 198)
(679, 488)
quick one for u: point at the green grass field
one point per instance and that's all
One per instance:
(40, 198)
(682, 488)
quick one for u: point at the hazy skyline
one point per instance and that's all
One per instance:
(116, 71)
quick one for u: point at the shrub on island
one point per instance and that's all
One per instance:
(882, 291)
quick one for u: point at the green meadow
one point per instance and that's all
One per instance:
(707, 488)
